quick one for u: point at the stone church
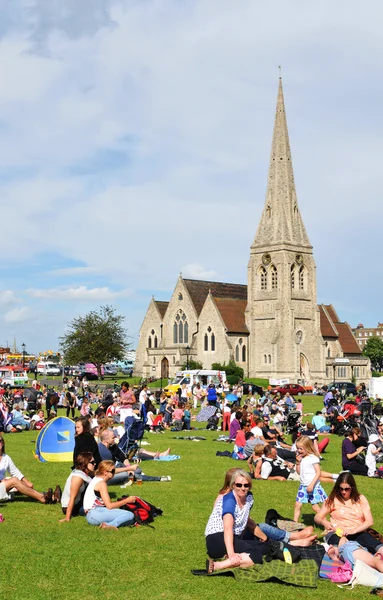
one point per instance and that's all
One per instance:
(273, 327)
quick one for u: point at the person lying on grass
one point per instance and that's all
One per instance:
(75, 486)
(98, 507)
(231, 532)
(350, 551)
(18, 482)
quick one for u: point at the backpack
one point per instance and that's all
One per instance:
(143, 511)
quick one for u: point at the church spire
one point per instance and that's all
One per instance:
(281, 221)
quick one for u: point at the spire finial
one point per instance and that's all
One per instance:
(280, 71)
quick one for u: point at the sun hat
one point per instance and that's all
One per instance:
(373, 438)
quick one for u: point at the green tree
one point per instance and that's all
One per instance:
(98, 337)
(193, 365)
(234, 373)
(374, 350)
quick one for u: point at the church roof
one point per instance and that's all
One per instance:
(344, 333)
(199, 290)
(281, 221)
(162, 306)
(232, 311)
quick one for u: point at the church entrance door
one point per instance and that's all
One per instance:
(164, 368)
(304, 370)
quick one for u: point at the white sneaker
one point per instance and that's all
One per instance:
(166, 478)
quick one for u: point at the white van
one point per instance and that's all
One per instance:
(48, 368)
(190, 378)
(12, 377)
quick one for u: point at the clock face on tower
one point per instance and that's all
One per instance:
(266, 259)
(299, 259)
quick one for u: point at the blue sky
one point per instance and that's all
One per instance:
(135, 139)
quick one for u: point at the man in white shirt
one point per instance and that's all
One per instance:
(143, 395)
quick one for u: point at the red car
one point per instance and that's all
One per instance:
(293, 388)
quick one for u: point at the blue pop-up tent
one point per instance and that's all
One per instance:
(55, 442)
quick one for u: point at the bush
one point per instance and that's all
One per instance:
(377, 374)
(232, 370)
(193, 365)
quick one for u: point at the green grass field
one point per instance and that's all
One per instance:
(42, 558)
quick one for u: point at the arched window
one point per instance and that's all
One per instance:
(212, 342)
(263, 278)
(206, 343)
(237, 353)
(302, 278)
(155, 341)
(292, 276)
(274, 277)
(243, 353)
(174, 360)
(150, 341)
(154, 360)
(269, 359)
(328, 353)
(265, 359)
(180, 329)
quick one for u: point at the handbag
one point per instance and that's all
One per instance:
(364, 575)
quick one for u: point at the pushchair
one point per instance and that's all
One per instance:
(292, 422)
(134, 432)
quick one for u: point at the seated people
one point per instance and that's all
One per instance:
(37, 421)
(18, 419)
(75, 486)
(319, 423)
(251, 443)
(275, 468)
(98, 507)
(20, 483)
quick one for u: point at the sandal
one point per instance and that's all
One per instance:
(57, 494)
(377, 592)
(209, 566)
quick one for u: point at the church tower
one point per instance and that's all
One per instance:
(282, 313)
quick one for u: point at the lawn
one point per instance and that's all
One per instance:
(42, 558)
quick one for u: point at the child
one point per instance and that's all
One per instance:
(372, 451)
(308, 467)
(255, 462)
(187, 417)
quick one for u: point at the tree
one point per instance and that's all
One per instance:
(234, 373)
(98, 337)
(374, 350)
(193, 365)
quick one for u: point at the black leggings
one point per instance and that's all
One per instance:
(68, 409)
(363, 538)
(357, 468)
(216, 548)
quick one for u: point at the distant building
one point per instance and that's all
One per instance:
(273, 327)
(362, 333)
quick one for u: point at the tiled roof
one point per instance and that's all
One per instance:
(345, 336)
(233, 314)
(199, 290)
(326, 325)
(162, 306)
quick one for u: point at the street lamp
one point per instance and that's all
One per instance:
(23, 347)
(187, 356)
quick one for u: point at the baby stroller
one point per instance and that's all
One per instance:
(292, 422)
(134, 432)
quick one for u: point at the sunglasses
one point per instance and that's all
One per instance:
(92, 462)
(242, 485)
(112, 471)
(345, 489)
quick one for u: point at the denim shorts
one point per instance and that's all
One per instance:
(346, 551)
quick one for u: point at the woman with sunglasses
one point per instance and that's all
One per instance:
(75, 486)
(98, 507)
(349, 515)
(227, 523)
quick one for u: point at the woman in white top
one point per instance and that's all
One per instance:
(99, 508)
(76, 484)
(19, 482)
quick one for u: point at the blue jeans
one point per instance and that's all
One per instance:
(113, 516)
(324, 429)
(273, 533)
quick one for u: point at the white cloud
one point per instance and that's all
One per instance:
(8, 297)
(100, 294)
(195, 271)
(17, 315)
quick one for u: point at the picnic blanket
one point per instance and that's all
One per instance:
(193, 438)
(168, 458)
(302, 574)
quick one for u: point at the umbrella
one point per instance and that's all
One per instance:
(231, 398)
(30, 394)
(205, 413)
